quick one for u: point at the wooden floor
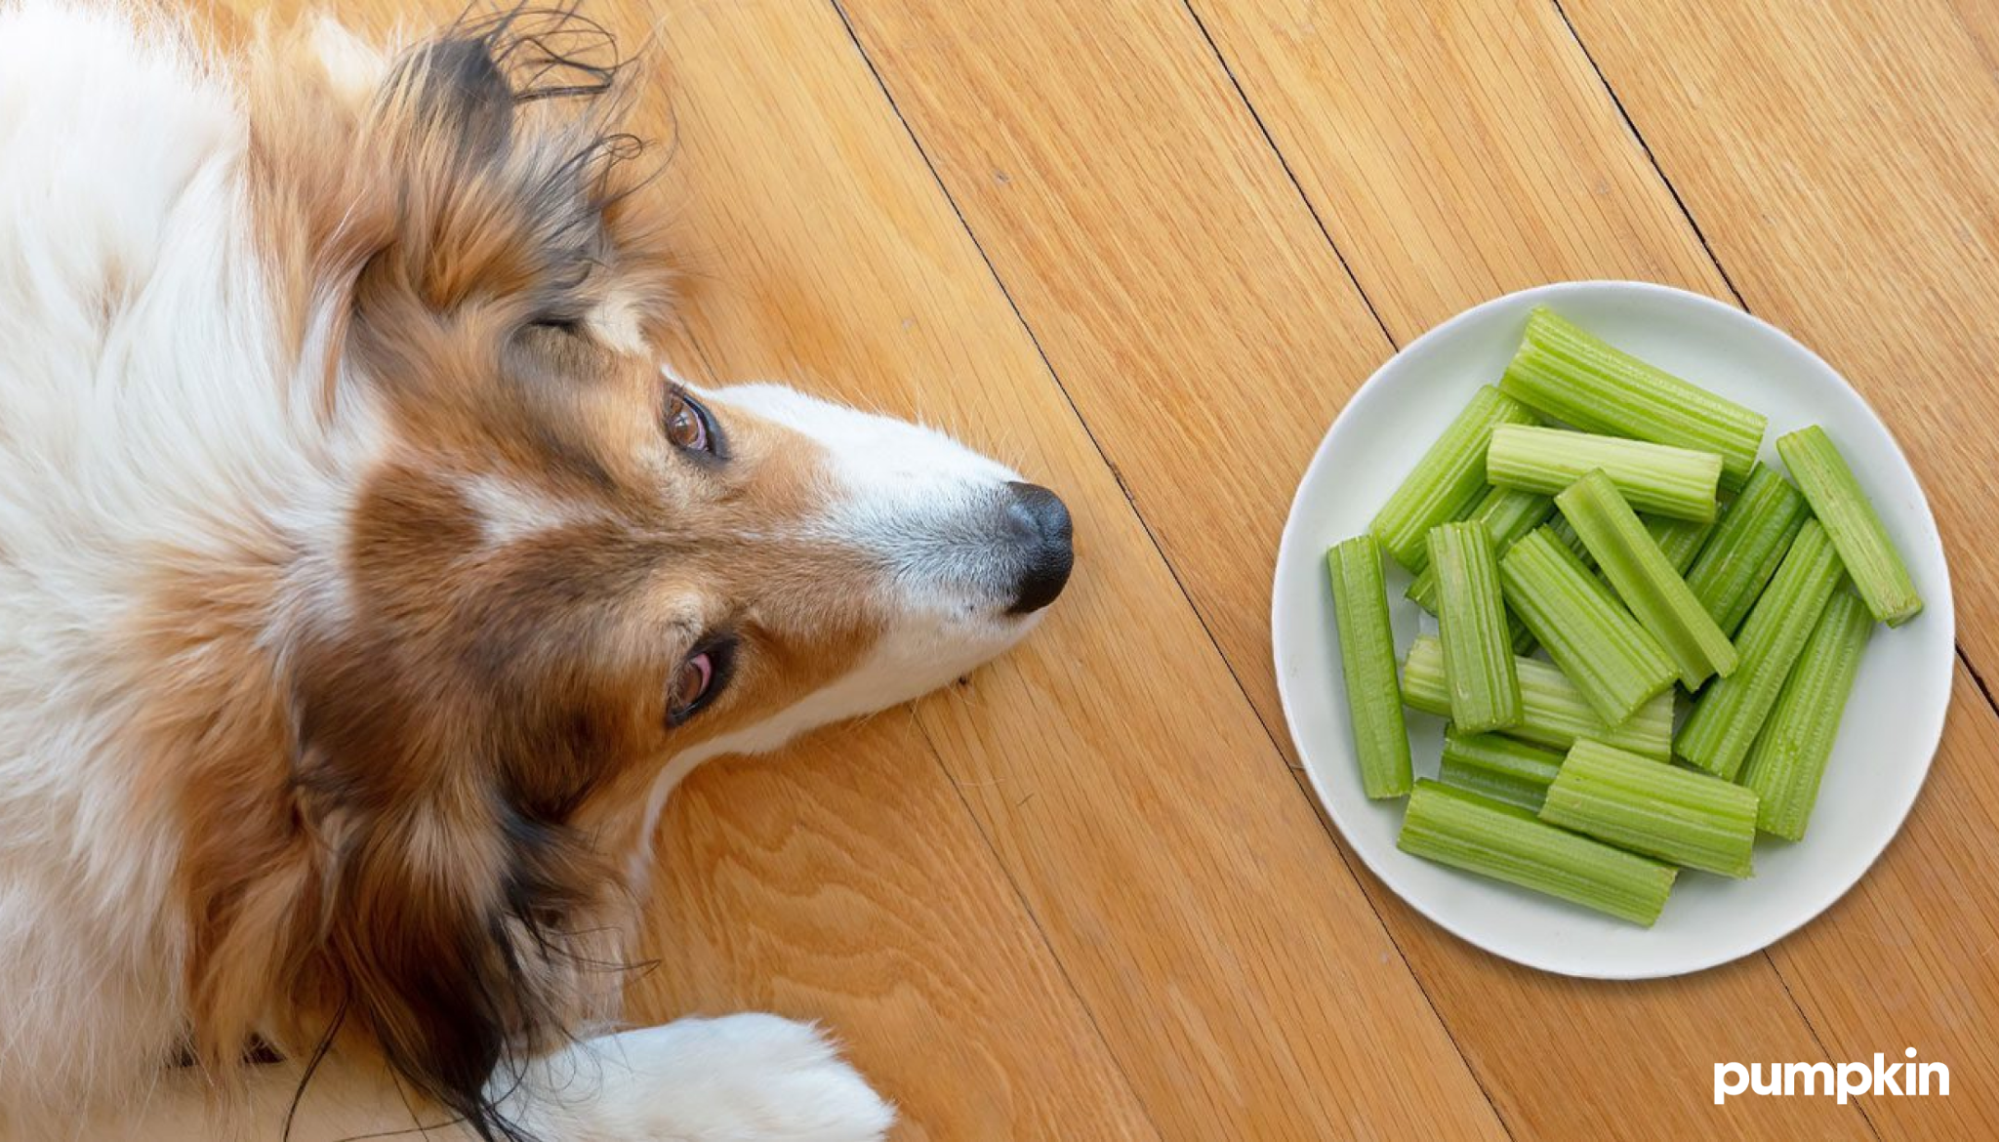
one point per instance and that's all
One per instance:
(1144, 250)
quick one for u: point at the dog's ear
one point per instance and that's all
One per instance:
(459, 926)
(443, 941)
(399, 904)
(459, 94)
(507, 172)
(419, 207)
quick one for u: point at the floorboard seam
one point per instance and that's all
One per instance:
(1976, 678)
(1638, 136)
(1020, 894)
(1174, 572)
(1325, 233)
(1701, 235)
(1284, 163)
(1714, 259)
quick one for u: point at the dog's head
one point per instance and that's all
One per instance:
(560, 575)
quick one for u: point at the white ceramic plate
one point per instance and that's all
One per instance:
(1892, 724)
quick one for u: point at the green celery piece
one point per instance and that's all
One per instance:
(1471, 624)
(1552, 712)
(1517, 634)
(1750, 541)
(1479, 835)
(1655, 478)
(1562, 530)
(1498, 767)
(1681, 540)
(1508, 515)
(1730, 712)
(1790, 755)
(1837, 499)
(1367, 658)
(1676, 815)
(1447, 480)
(1587, 632)
(1644, 578)
(1573, 376)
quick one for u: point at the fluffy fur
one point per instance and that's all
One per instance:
(354, 555)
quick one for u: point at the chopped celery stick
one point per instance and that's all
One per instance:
(1676, 815)
(1508, 515)
(1572, 376)
(1447, 481)
(1837, 499)
(1727, 716)
(1655, 478)
(1482, 836)
(1589, 635)
(1471, 624)
(1367, 658)
(1645, 580)
(1518, 635)
(1500, 768)
(1789, 757)
(1681, 540)
(1564, 531)
(1755, 532)
(1552, 712)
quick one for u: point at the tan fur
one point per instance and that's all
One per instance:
(369, 796)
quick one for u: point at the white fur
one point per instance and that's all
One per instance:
(150, 419)
(749, 1076)
(509, 513)
(918, 500)
(139, 424)
(925, 507)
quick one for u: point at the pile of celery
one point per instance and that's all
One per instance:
(1615, 518)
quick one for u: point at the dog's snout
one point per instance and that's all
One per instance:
(1041, 522)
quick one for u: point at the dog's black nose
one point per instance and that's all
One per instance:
(1041, 520)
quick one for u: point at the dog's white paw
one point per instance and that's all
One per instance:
(749, 1076)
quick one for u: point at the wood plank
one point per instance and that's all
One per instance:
(1292, 96)
(1457, 151)
(845, 881)
(1149, 240)
(1237, 973)
(1840, 163)
(1837, 162)
(1910, 958)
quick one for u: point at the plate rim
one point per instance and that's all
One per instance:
(1941, 602)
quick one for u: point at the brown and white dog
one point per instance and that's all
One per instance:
(365, 585)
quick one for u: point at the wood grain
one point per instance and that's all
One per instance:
(1456, 151)
(1145, 251)
(1236, 314)
(1181, 289)
(1204, 918)
(1910, 957)
(843, 881)
(1840, 162)
(1277, 52)
(1837, 163)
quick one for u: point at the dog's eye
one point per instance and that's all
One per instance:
(688, 424)
(697, 680)
(690, 685)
